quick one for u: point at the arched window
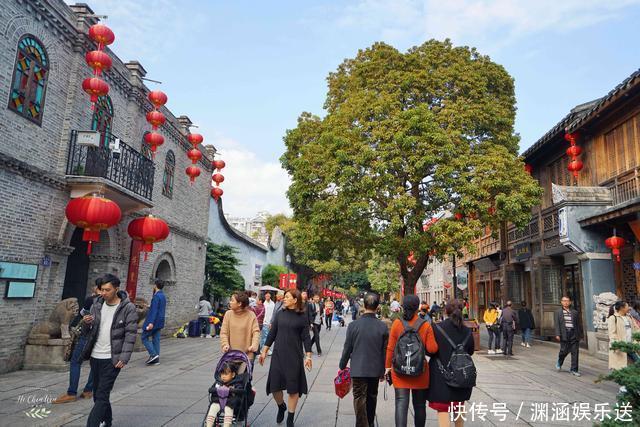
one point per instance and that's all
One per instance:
(29, 79)
(167, 178)
(102, 117)
(146, 148)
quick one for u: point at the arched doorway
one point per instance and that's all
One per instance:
(163, 271)
(77, 273)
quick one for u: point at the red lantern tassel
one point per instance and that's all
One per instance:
(89, 248)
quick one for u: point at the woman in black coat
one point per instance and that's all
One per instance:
(290, 331)
(440, 395)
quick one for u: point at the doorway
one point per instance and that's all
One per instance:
(77, 273)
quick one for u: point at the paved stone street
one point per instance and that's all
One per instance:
(175, 392)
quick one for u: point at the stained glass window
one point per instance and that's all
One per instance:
(29, 79)
(102, 117)
(146, 149)
(167, 178)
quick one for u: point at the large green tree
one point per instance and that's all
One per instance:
(271, 274)
(222, 277)
(383, 274)
(406, 137)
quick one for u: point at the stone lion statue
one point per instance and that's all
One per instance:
(58, 324)
(142, 308)
(603, 302)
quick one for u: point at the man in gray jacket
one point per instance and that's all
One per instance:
(110, 329)
(365, 345)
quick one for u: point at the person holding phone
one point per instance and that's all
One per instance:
(290, 332)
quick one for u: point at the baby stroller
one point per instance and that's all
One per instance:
(241, 389)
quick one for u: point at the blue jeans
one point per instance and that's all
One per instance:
(526, 336)
(264, 333)
(151, 341)
(74, 370)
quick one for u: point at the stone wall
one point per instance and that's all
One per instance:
(34, 191)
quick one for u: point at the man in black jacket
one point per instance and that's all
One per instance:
(365, 345)
(111, 329)
(568, 332)
(526, 323)
(508, 324)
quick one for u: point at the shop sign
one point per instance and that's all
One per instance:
(522, 251)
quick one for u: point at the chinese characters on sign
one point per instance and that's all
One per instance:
(544, 412)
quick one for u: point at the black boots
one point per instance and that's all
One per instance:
(282, 408)
(290, 416)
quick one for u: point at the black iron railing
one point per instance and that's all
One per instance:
(129, 169)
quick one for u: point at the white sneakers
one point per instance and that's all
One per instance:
(499, 351)
(491, 352)
(528, 345)
(523, 344)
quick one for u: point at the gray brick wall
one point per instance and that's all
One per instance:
(34, 192)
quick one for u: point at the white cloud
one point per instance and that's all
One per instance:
(486, 23)
(250, 184)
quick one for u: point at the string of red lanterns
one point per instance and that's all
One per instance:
(155, 118)
(99, 61)
(216, 192)
(575, 165)
(193, 171)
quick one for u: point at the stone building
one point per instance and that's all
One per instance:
(255, 227)
(42, 165)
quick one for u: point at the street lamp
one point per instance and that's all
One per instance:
(288, 262)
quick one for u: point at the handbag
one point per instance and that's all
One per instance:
(71, 343)
(342, 382)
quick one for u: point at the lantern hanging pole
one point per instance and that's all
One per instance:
(151, 80)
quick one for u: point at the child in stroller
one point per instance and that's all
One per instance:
(231, 395)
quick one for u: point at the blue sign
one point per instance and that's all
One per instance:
(46, 261)
(13, 270)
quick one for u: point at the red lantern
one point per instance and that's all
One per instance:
(154, 140)
(92, 213)
(458, 216)
(194, 139)
(615, 243)
(98, 60)
(574, 151)
(217, 178)
(219, 164)
(193, 172)
(216, 193)
(491, 210)
(102, 35)
(575, 166)
(95, 87)
(148, 230)
(194, 154)
(155, 119)
(157, 98)
(528, 168)
(571, 138)
(411, 259)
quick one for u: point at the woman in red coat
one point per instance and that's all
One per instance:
(405, 385)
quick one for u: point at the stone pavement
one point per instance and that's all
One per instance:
(174, 393)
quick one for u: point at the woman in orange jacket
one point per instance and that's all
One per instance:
(414, 385)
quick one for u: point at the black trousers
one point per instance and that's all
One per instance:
(316, 337)
(507, 335)
(365, 399)
(104, 377)
(327, 319)
(570, 345)
(419, 400)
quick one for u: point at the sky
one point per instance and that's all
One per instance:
(245, 70)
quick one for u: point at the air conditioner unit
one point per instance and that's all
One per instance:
(88, 138)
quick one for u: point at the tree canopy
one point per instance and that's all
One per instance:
(407, 137)
(222, 278)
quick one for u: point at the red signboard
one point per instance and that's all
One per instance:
(288, 281)
(134, 264)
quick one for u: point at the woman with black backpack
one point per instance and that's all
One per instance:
(451, 370)
(410, 339)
